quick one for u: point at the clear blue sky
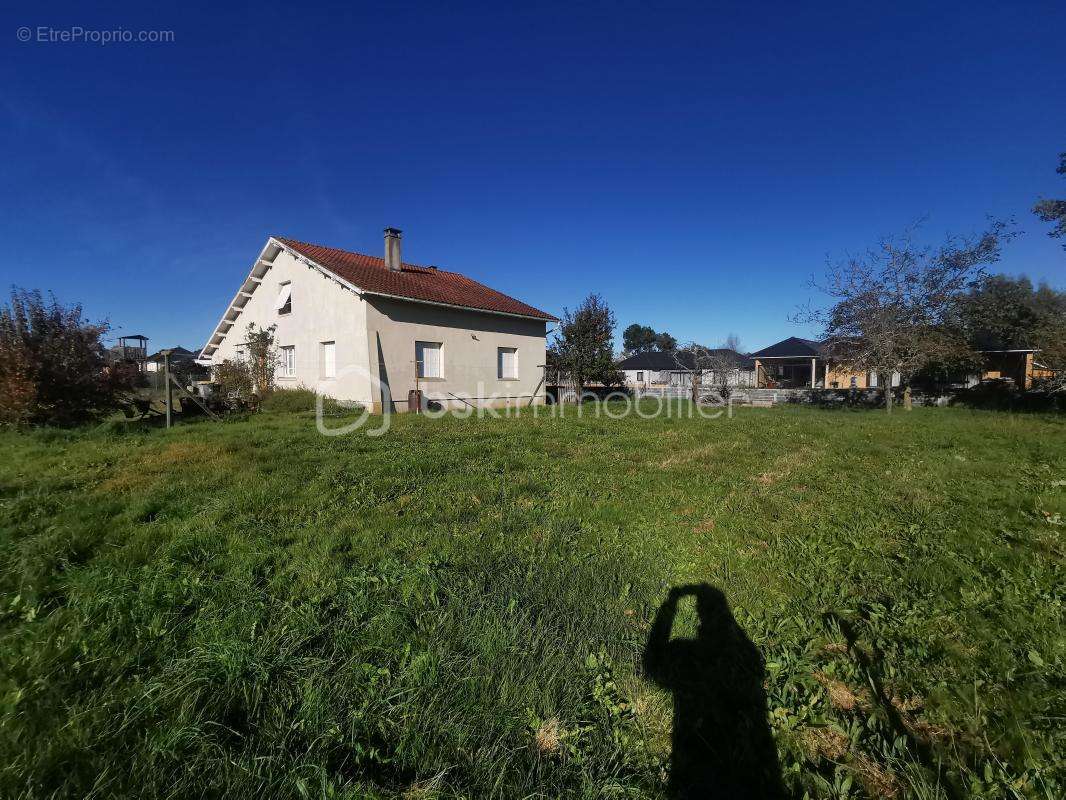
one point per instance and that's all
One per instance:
(693, 165)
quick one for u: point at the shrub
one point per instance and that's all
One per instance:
(53, 369)
(289, 400)
(1002, 396)
(301, 399)
(234, 379)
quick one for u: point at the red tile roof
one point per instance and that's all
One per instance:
(429, 284)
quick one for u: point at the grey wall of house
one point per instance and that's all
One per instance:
(469, 343)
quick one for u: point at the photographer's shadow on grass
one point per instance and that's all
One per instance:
(722, 745)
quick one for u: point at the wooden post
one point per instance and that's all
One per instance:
(166, 382)
(417, 386)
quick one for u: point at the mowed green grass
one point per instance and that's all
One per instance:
(458, 608)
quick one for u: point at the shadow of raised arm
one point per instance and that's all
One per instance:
(656, 658)
(722, 745)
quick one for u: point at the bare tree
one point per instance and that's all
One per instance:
(732, 342)
(892, 307)
(692, 358)
(723, 363)
(706, 366)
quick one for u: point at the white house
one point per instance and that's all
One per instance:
(367, 329)
(654, 369)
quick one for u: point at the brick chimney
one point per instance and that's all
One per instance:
(392, 248)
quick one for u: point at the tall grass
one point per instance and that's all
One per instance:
(458, 609)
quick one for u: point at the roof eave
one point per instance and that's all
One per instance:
(546, 318)
(201, 358)
(800, 355)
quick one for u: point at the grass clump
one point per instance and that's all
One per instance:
(459, 608)
(303, 400)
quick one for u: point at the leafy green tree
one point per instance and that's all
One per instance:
(665, 342)
(1004, 312)
(1054, 210)
(584, 346)
(638, 338)
(53, 365)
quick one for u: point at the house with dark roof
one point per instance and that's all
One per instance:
(655, 369)
(179, 356)
(370, 330)
(798, 363)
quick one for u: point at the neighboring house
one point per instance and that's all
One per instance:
(797, 363)
(179, 356)
(368, 330)
(651, 368)
(1017, 365)
(1006, 359)
(655, 369)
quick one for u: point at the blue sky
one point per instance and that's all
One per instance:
(692, 164)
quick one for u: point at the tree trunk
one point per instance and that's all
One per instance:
(695, 387)
(888, 395)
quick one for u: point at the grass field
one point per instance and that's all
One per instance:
(461, 608)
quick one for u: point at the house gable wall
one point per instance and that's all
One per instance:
(322, 310)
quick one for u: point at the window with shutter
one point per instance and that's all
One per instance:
(283, 304)
(506, 363)
(329, 359)
(427, 356)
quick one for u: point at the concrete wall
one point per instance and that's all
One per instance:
(469, 342)
(651, 377)
(322, 310)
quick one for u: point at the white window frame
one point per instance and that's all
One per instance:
(640, 377)
(327, 359)
(500, 351)
(288, 361)
(420, 360)
(283, 302)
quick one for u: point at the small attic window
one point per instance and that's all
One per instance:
(284, 302)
